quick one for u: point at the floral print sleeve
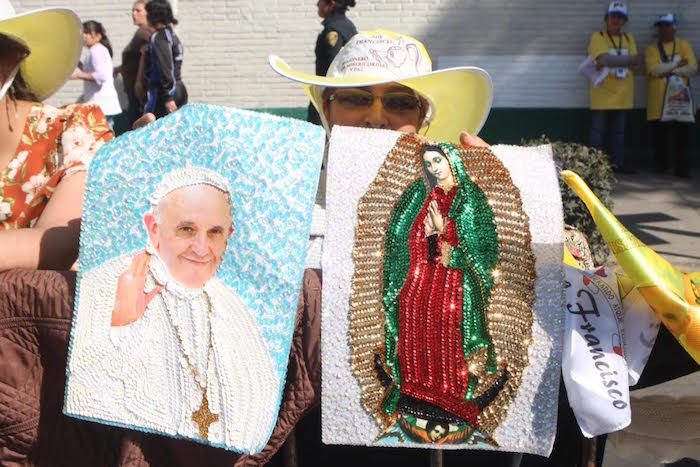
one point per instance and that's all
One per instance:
(56, 142)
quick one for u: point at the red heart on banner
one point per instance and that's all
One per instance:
(618, 350)
(586, 280)
(601, 272)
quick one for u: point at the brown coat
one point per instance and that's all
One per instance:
(35, 318)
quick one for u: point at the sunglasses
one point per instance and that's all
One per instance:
(359, 99)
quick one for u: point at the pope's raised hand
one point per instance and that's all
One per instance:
(131, 300)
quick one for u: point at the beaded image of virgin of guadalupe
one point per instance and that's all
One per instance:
(440, 250)
(457, 290)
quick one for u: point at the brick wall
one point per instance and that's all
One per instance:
(227, 42)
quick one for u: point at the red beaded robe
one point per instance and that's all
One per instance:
(432, 362)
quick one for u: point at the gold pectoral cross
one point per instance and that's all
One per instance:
(203, 417)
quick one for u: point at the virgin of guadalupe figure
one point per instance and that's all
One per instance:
(440, 253)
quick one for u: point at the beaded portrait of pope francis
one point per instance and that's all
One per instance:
(190, 269)
(184, 354)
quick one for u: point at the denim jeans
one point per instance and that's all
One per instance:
(611, 122)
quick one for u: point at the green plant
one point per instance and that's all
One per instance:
(593, 165)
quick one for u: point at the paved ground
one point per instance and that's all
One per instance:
(664, 212)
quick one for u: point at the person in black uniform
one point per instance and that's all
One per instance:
(337, 31)
(165, 91)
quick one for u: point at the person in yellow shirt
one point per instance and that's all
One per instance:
(669, 57)
(610, 101)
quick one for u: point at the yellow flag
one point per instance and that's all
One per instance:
(673, 295)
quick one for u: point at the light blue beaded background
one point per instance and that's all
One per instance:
(272, 165)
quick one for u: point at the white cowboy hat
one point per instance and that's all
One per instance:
(54, 39)
(459, 98)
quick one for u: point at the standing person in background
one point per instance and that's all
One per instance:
(133, 57)
(97, 72)
(337, 31)
(669, 58)
(610, 101)
(165, 89)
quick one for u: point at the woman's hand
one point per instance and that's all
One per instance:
(170, 106)
(131, 300)
(472, 141)
(143, 120)
(436, 217)
(79, 74)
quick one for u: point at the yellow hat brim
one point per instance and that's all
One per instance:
(460, 98)
(54, 38)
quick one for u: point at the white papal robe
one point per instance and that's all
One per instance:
(137, 375)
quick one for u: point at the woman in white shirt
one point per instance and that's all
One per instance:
(96, 72)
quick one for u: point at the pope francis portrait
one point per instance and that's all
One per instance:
(163, 345)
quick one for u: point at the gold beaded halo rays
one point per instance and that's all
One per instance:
(509, 314)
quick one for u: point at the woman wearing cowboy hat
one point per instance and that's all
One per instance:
(384, 80)
(377, 61)
(44, 151)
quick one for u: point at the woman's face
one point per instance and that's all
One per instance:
(325, 7)
(91, 38)
(138, 14)
(438, 166)
(407, 118)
